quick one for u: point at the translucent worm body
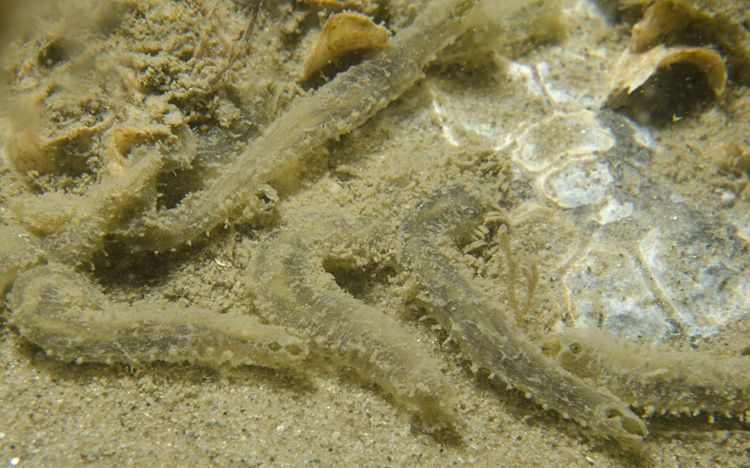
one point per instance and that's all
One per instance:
(63, 313)
(655, 378)
(294, 287)
(340, 106)
(486, 333)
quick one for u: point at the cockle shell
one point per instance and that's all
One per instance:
(659, 20)
(343, 33)
(122, 139)
(632, 70)
(694, 23)
(27, 148)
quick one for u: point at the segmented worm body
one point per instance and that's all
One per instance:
(340, 106)
(486, 334)
(294, 287)
(653, 377)
(70, 319)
